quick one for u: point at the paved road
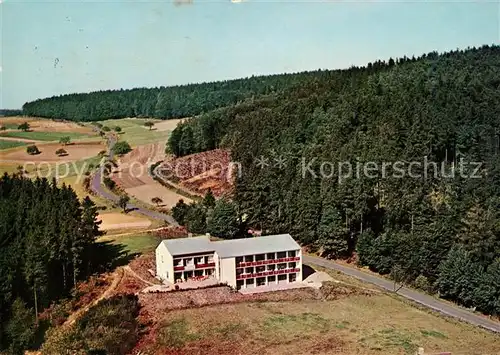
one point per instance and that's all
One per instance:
(423, 299)
(97, 187)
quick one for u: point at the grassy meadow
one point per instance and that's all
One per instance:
(134, 131)
(43, 136)
(5, 144)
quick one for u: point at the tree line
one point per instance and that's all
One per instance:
(47, 241)
(441, 230)
(178, 101)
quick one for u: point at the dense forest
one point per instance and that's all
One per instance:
(7, 112)
(47, 241)
(437, 227)
(439, 230)
(172, 102)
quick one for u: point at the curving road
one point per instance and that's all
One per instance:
(424, 299)
(96, 186)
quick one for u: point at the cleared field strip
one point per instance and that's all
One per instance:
(7, 144)
(43, 136)
(76, 151)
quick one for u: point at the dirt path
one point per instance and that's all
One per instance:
(134, 274)
(117, 277)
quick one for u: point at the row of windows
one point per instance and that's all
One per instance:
(262, 281)
(268, 256)
(263, 268)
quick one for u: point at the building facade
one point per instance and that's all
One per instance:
(186, 258)
(241, 263)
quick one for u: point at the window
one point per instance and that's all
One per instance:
(239, 259)
(249, 258)
(282, 254)
(250, 282)
(271, 256)
(177, 276)
(249, 270)
(239, 284)
(292, 265)
(209, 272)
(292, 277)
(178, 262)
(271, 279)
(271, 267)
(261, 281)
(161, 259)
(292, 254)
(239, 271)
(198, 273)
(282, 266)
(281, 278)
(260, 257)
(260, 269)
(198, 260)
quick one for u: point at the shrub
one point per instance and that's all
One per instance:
(65, 140)
(109, 183)
(421, 282)
(121, 148)
(117, 129)
(61, 152)
(32, 150)
(24, 126)
(106, 129)
(149, 124)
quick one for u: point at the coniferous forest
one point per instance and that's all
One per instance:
(438, 231)
(47, 241)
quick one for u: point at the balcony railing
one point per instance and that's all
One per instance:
(265, 262)
(201, 266)
(193, 266)
(266, 273)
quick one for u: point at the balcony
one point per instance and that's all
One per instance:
(178, 268)
(267, 273)
(202, 266)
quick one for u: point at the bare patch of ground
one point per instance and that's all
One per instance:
(47, 124)
(200, 172)
(113, 221)
(76, 151)
(133, 176)
(168, 125)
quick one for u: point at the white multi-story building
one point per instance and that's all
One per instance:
(241, 263)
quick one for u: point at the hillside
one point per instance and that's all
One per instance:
(434, 228)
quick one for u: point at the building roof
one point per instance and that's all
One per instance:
(255, 245)
(233, 247)
(191, 245)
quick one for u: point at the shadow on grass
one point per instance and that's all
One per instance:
(108, 256)
(130, 209)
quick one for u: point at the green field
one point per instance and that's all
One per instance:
(134, 243)
(43, 136)
(10, 144)
(134, 132)
(9, 125)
